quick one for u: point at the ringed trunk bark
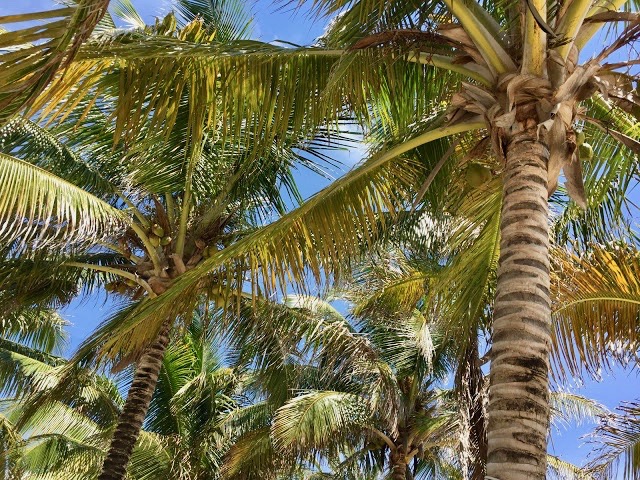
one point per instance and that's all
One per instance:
(518, 408)
(135, 407)
(398, 465)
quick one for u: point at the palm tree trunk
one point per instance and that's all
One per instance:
(398, 464)
(518, 409)
(135, 407)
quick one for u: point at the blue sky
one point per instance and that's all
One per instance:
(280, 21)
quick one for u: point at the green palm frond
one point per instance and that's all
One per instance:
(41, 329)
(558, 469)
(609, 175)
(40, 207)
(228, 18)
(31, 56)
(316, 420)
(126, 11)
(570, 408)
(596, 308)
(252, 456)
(619, 437)
(43, 148)
(304, 241)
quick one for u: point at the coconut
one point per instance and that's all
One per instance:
(579, 137)
(477, 175)
(164, 241)
(154, 240)
(586, 152)
(157, 230)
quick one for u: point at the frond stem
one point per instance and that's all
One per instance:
(115, 271)
(595, 299)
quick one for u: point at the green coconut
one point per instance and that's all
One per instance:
(154, 240)
(579, 137)
(477, 175)
(586, 152)
(164, 241)
(157, 230)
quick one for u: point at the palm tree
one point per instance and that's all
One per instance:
(124, 227)
(68, 435)
(523, 88)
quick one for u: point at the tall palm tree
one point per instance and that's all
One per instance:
(137, 231)
(517, 79)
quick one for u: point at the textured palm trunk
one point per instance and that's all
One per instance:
(399, 465)
(135, 407)
(518, 409)
(477, 420)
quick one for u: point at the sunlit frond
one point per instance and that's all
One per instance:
(596, 307)
(40, 207)
(317, 419)
(31, 56)
(619, 437)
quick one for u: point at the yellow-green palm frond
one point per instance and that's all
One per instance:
(318, 420)
(558, 469)
(595, 308)
(33, 55)
(619, 437)
(475, 244)
(316, 238)
(251, 456)
(36, 206)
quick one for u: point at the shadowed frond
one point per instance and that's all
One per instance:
(619, 437)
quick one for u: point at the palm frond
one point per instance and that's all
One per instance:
(596, 308)
(570, 408)
(619, 437)
(558, 469)
(33, 55)
(317, 419)
(228, 18)
(40, 207)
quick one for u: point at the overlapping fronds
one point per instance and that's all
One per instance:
(595, 307)
(31, 56)
(43, 148)
(318, 419)
(608, 176)
(619, 437)
(462, 287)
(29, 283)
(40, 329)
(229, 18)
(305, 240)
(252, 455)
(40, 207)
